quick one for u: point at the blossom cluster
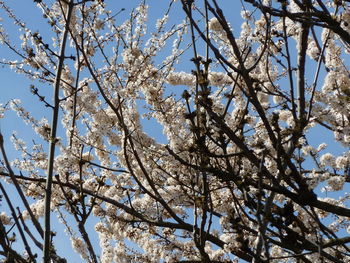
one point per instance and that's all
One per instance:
(177, 165)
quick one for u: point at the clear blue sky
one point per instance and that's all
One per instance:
(16, 86)
(13, 86)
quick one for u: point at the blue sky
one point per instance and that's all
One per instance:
(13, 85)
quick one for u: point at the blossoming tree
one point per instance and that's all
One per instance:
(235, 177)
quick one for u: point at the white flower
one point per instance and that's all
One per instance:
(245, 14)
(214, 24)
(88, 157)
(321, 147)
(341, 162)
(336, 183)
(219, 78)
(80, 247)
(312, 50)
(181, 78)
(37, 209)
(306, 150)
(2, 110)
(5, 219)
(327, 159)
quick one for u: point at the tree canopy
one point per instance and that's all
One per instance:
(190, 139)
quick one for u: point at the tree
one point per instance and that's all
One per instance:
(236, 176)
